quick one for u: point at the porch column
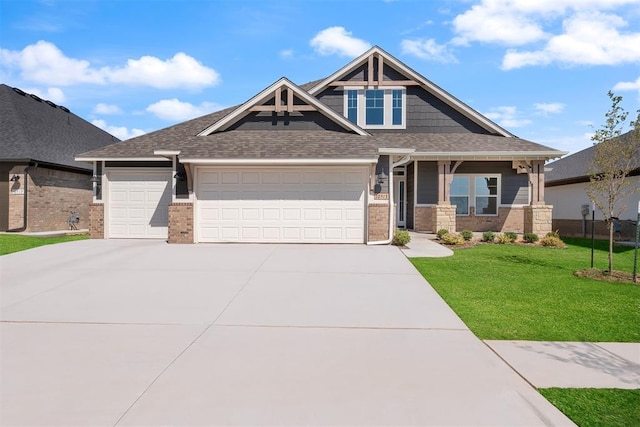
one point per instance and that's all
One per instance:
(538, 215)
(444, 182)
(536, 177)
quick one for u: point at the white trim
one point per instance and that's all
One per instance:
(472, 192)
(424, 83)
(275, 162)
(399, 151)
(166, 152)
(488, 155)
(243, 110)
(121, 159)
(425, 205)
(361, 115)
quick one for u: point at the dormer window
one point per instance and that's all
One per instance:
(376, 108)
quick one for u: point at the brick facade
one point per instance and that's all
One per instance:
(423, 219)
(96, 221)
(180, 223)
(378, 222)
(508, 219)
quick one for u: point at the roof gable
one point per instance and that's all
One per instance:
(33, 129)
(375, 64)
(281, 97)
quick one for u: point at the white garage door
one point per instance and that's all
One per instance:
(312, 205)
(138, 204)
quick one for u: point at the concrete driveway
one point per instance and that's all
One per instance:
(121, 332)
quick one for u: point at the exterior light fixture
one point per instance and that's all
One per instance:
(95, 179)
(381, 177)
(179, 176)
(15, 178)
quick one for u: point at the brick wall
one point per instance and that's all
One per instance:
(96, 221)
(508, 219)
(181, 223)
(52, 195)
(378, 222)
(423, 220)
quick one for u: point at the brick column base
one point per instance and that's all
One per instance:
(180, 223)
(96, 220)
(444, 216)
(537, 219)
(378, 222)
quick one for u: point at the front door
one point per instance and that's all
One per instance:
(400, 199)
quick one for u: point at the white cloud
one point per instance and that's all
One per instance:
(549, 107)
(507, 116)
(176, 110)
(590, 38)
(337, 40)
(181, 70)
(44, 62)
(624, 86)
(52, 94)
(428, 49)
(119, 132)
(287, 53)
(106, 109)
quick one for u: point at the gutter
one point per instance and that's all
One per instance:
(25, 204)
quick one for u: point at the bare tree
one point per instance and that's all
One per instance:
(615, 156)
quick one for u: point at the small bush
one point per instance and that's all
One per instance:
(511, 236)
(441, 233)
(401, 238)
(467, 235)
(503, 239)
(530, 237)
(553, 234)
(553, 242)
(452, 239)
(488, 236)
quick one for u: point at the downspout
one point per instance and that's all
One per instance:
(25, 205)
(392, 166)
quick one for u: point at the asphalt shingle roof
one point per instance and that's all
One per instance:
(43, 132)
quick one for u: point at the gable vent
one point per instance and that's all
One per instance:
(19, 91)
(63, 108)
(36, 97)
(51, 104)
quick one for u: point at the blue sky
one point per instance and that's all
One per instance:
(539, 68)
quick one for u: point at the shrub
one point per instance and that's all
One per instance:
(553, 234)
(441, 233)
(452, 239)
(530, 237)
(401, 238)
(467, 235)
(503, 239)
(553, 242)
(511, 236)
(488, 236)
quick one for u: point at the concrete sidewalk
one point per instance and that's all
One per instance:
(424, 245)
(573, 364)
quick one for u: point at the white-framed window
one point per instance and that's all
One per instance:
(478, 191)
(376, 108)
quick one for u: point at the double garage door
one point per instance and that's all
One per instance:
(287, 204)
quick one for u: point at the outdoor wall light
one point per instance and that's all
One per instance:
(95, 179)
(15, 178)
(381, 177)
(179, 176)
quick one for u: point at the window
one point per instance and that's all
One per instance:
(376, 108)
(460, 194)
(483, 193)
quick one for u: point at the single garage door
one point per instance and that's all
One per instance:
(311, 205)
(138, 204)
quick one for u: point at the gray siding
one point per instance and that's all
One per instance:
(410, 194)
(515, 187)
(427, 190)
(333, 98)
(307, 120)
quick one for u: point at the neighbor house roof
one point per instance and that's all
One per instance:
(577, 167)
(33, 129)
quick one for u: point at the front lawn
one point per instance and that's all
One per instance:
(10, 243)
(597, 407)
(516, 292)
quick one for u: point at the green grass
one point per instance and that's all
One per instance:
(591, 407)
(516, 292)
(10, 243)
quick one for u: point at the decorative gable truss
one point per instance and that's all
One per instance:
(282, 97)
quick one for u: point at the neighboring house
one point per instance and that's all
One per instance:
(40, 182)
(345, 159)
(567, 184)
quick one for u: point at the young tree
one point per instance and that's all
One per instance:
(615, 156)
